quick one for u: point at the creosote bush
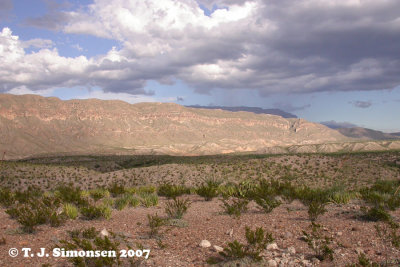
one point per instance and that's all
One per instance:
(235, 206)
(172, 191)
(257, 241)
(155, 222)
(91, 240)
(176, 208)
(209, 189)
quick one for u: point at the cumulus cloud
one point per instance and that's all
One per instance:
(271, 46)
(361, 104)
(37, 43)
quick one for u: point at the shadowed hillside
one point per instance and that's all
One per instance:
(33, 125)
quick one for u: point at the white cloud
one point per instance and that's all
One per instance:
(38, 43)
(271, 46)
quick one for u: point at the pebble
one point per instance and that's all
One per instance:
(104, 232)
(218, 248)
(291, 250)
(205, 244)
(339, 233)
(359, 250)
(230, 232)
(272, 263)
(272, 246)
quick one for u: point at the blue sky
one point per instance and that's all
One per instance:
(344, 68)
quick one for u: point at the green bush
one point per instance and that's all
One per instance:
(71, 194)
(315, 209)
(149, 200)
(90, 240)
(149, 189)
(235, 206)
(176, 208)
(377, 213)
(171, 191)
(71, 211)
(268, 204)
(155, 222)
(99, 193)
(257, 241)
(126, 200)
(116, 189)
(36, 212)
(91, 212)
(6, 197)
(209, 189)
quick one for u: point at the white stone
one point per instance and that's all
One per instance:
(272, 263)
(272, 246)
(218, 248)
(205, 244)
(104, 232)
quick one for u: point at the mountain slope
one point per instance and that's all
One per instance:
(33, 125)
(256, 110)
(366, 134)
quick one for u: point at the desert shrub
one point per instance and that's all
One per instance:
(57, 219)
(71, 211)
(70, 194)
(235, 206)
(99, 193)
(6, 197)
(376, 213)
(257, 241)
(308, 195)
(121, 203)
(176, 208)
(315, 209)
(342, 196)
(149, 200)
(36, 212)
(363, 261)
(108, 201)
(155, 222)
(382, 193)
(171, 191)
(148, 189)
(267, 204)
(126, 200)
(116, 189)
(90, 240)
(91, 212)
(388, 233)
(209, 189)
(246, 189)
(32, 192)
(227, 190)
(318, 242)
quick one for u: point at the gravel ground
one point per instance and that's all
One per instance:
(206, 221)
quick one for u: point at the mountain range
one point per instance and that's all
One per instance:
(32, 125)
(256, 110)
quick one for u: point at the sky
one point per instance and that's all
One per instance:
(323, 60)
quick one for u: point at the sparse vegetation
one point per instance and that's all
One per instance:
(235, 206)
(318, 242)
(176, 208)
(257, 241)
(209, 189)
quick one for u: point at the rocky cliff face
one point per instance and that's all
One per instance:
(33, 125)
